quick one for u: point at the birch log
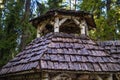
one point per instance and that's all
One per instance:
(56, 25)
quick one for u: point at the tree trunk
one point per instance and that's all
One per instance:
(108, 3)
(25, 19)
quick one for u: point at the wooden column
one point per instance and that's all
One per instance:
(38, 32)
(45, 76)
(40, 28)
(84, 27)
(56, 25)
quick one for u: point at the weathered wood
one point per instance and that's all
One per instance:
(98, 77)
(118, 76)
(76, 21)
(113, 47)
(62, 77)
(73, 53)
(83, 77)
(109, 77)
(40, 29)
(45, 76)
(65, 13)
(84, 27)
(68, 17)
(56, 25)
(62, 21)
(52, 22)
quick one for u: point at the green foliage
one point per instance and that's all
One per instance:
(11, 29)
(54, 4)
(106, 18)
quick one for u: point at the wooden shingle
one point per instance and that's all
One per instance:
(112, 47)
(62, 51)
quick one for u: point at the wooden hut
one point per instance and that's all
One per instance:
(62, 51)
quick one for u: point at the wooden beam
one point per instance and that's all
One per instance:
(76, 21)
(62, 21)
(68, 17)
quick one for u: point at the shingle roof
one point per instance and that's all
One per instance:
(62, 51)
(82, 14)
(113, 47)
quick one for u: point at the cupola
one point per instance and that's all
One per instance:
(67, 21)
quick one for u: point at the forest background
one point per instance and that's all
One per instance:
(16, 31)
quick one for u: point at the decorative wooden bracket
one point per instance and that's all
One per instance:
(62, 21)
(76, 21)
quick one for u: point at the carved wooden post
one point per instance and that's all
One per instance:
(56, 25)
(45, 76)
(84, 27)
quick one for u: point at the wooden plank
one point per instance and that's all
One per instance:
(97, 67)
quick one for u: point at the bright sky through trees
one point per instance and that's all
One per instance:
(1, 4)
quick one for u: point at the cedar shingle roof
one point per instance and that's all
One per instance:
(113, 47)
(62, 51)
(52, 13)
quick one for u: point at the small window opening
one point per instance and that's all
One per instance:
(70, 27)
(48, 28)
